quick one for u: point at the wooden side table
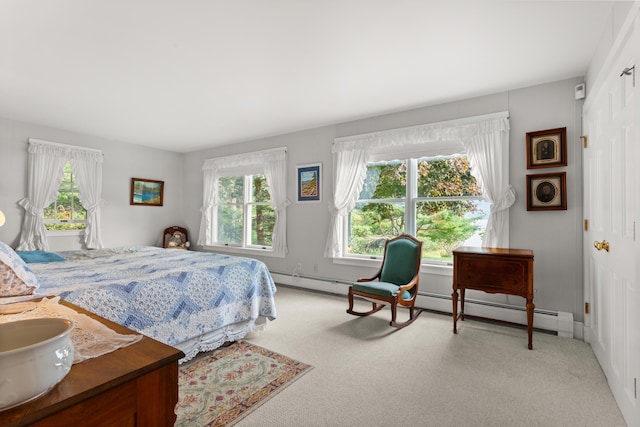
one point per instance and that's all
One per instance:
(133, 386)
(493, 270)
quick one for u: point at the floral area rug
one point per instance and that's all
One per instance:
(221, 387)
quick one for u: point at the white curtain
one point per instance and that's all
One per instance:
(45, 169)
(488, 153)
(350, 168)
(275, 170)
(485, 139)
(87, 167)
(208, 202)
(273, 164)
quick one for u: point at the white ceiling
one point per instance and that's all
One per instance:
(191, 74)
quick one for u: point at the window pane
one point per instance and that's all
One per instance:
(230, 211)
(65, 187)
(444, 226)
(67, 208)
(385, 180)
(443, 177)
(64, 211)
(260, 189)
(79, 212)
(230, 220)
(50, 211)
(234, 205)
(231, 189)
(263, 219)
(373, 223)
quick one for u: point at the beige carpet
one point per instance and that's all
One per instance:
(369, 374)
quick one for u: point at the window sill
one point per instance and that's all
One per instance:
(425, 268)
(64, 233)
(244, 251)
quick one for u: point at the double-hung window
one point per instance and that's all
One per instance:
(245, 202)
(420, 181)
(244, 215)
(435, 199)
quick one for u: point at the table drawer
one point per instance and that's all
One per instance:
(494, 276)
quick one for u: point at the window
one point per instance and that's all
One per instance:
(50, 162)
(245, 201)
(66, 213)
(435, 199)
(431, 193)
(244, 218)
(380, 209)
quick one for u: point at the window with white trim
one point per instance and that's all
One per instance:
(50, 162)
(244, 203)
(66, 212)
(244, 215)
(435, 199)
(446, 183)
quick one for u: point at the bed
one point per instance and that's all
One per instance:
(195, 301)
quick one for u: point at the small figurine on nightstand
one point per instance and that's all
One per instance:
(177, 241)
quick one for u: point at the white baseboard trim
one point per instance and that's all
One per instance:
(559, 322)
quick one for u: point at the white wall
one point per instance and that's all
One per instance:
(122, 224)
(555, 236)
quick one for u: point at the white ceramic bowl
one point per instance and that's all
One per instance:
(35, 355)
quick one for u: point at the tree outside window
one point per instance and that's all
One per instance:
(66, 213)
(245, 217)
(435, 199)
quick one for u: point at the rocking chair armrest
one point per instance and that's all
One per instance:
(409, 285)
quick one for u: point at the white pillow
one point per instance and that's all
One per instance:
(16, 278)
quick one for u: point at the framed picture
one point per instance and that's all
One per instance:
(547, 191)
(146, 192)
(547, 148)
(309, 182)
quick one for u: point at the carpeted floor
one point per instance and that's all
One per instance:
(369, 374)
(221, 387)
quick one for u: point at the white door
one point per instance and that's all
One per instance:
(611, 205)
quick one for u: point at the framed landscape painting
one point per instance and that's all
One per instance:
(309, 180)
(146, 192)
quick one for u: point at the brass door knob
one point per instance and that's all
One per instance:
(601, 245)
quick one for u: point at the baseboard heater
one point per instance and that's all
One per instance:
(553, 321)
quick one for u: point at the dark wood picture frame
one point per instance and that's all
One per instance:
(547, 191)
(146, 192)
(547, 148)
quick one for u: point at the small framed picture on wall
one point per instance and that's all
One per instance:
(547, 148)
(309, 182)
(547, 191)
(146, 192)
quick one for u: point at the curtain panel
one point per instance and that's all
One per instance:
(88, 171)
(273, 164)
(45, 170)
(485, 140)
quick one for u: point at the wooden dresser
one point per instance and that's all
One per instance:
(493, 270)
(133, 386)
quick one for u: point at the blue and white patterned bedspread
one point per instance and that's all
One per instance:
(169, 295)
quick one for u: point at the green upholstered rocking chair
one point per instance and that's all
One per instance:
(395, 283)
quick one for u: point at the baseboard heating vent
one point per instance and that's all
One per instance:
(558, 322)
